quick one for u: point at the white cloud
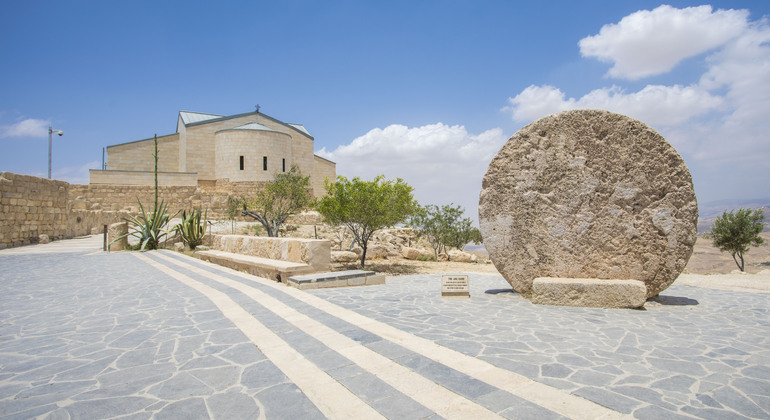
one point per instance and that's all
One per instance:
(647, 43)
(444, 164)
(655, 104)
(719, 122)
(30, 127)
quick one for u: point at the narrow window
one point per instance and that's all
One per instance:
(241, 162)
(283, 162)
(264, 163)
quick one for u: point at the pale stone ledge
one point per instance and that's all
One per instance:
(595, 293)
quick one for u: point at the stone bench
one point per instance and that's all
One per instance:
(595, 293)
(336, 279)
(277, 270)
(311, 252)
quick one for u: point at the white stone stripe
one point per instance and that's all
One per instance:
(433, 396)
(333, 399)
(554, 399)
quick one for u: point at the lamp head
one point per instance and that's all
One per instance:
(60, 133)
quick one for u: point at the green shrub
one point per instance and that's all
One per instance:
(148, 227)
(191, 229)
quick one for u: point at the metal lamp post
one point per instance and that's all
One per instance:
(50, 143)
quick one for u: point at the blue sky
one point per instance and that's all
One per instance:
(423, 90)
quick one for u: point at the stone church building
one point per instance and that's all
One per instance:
(208, 148)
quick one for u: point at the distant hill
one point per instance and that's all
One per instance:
(713, 209)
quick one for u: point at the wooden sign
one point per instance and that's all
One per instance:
(454, 285)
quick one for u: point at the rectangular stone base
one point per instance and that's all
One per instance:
(336, 279)
(595, 293)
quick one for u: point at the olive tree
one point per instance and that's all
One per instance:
(286, 195)
(736, 232)
(444, 227)
(366, 206)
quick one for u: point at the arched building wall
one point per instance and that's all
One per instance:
(253, 146)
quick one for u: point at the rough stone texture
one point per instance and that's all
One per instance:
(373, 252)
(588, 194)
(316, 253)
(462, 256)
(410, 253)
(344, 256)
(116, 230)
(594, 293)
(43, 239)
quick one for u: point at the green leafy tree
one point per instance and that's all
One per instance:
(234, 206)
(286, 195)
(736, 232)
(429, 223)
(462, 233)
(366, 206)
(444, 227)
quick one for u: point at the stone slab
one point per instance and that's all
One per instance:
(337, 279)
(264, 267)
(594, 293)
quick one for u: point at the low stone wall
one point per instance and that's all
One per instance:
(211, 196)
(314, 252)
(33, 206)
(146, 178)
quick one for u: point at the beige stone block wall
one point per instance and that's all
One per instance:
(314, 252)
(137, 156)
(302, 150)
(323, 169)
(33, 206)
(181, 131)
(253, 146)
(200, 145)
(117, 177)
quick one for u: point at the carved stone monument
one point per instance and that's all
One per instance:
(588, 194)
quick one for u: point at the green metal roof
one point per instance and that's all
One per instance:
(253, 126)
(299, 127)
(195, 117)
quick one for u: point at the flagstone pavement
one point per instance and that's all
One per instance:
(89, 334)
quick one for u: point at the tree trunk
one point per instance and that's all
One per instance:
(363, 256)
(740, 255)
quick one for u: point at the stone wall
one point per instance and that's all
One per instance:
(314, 252)
(323, 169)
(119, 177)
(34, 206)
(137, 155)
(211, 196)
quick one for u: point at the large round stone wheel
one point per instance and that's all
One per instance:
(588, 194)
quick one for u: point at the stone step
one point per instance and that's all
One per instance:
(336, 279)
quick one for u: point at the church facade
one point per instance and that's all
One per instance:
(208, 148)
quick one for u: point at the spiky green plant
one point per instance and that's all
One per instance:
(149, 226)
(191, 229)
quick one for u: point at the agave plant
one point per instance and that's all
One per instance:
(191, 229)
(148, 227)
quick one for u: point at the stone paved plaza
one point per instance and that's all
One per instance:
(87, 334)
